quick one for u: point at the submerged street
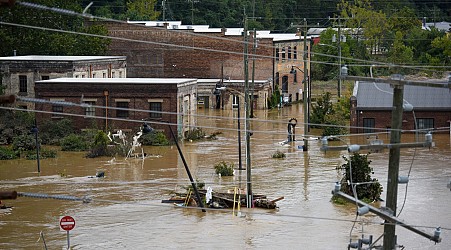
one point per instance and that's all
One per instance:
(126, 210)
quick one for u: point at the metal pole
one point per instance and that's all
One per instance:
(37, 150)
(68, 241)
(254, 51)
(393, 165)
(339, 57)
(306, 100)
(239, 136)
(193, 184)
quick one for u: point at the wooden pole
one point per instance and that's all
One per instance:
(393, 166)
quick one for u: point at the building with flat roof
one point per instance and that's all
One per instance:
(170, 49)
(18, 74)
(120, 103)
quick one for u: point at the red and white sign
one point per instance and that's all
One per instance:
(67, 223)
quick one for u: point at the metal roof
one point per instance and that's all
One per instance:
(121, 80)
(371, 95)
(59, 58)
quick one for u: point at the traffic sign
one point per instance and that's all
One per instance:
(67, 223)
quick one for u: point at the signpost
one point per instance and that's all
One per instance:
(67, 223)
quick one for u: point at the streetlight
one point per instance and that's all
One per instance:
(306, 98)
(341, 39)
(35, 131)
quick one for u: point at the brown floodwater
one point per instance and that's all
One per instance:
(126, 210)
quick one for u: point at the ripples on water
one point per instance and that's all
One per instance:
(127, 212)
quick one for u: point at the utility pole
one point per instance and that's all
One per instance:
(254, 51)
(339, 58)
(393, 165)
(306, 90)
(398, 84)
(249, 197)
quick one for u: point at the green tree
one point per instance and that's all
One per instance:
(45, 42)
(321, 109)
(140, 10)
(357, 170)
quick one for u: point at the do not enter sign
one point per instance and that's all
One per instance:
(67, 223)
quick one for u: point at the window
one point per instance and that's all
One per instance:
(120, 74)
(90, 111)
(104, 75)
(122, 113)
(283, 54)
(57, 109)
(45, 77)
(277, 54)
(425, 123)
(113, 75)
(23, 84)
(284, 84)
(157, 108)
(368, 124)
(295, 52)
(289, 52)
(93, 75)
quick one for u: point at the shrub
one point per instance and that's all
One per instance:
(99, 146)
(195, 134)
(224, 169)
(53, 132)
(155, 138)
(24, 143)
(7, 153)
(278, 155)
(74, 142)
(361, 172)
(43, 154)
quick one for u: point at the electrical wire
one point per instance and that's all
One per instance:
(70, 12)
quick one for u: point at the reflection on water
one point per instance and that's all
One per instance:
(127, 212)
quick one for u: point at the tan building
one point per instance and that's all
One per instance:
(18, 74)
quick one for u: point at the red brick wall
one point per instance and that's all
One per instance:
(383, 119)
(155, 59)
(137, 93)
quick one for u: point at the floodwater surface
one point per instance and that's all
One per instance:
(126, 212)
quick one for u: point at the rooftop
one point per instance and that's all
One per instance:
(380, 95)
(60, 58)
(121, 80)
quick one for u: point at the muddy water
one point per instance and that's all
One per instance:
(126, 210)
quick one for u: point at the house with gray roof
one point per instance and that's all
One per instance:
(372, 103)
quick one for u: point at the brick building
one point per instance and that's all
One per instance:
(120, 103)
(19, 73)
(371, 107)
(169, 49)
(227, 97)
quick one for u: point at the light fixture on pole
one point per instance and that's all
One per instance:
(306, 102)
(342, 38)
